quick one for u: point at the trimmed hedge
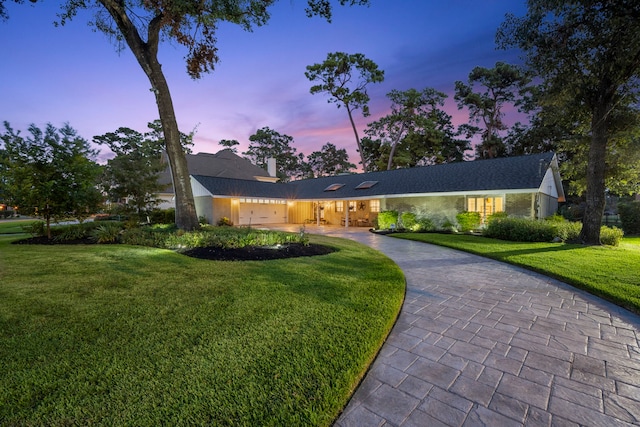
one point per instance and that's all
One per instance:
(630, 216)
(529, 230)
(521, 230)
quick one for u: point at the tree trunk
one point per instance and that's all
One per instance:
(146, 54)
(355, 131)
(186, 217)
(596, 166)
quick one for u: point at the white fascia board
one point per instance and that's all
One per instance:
(198, 189)
(450, 193)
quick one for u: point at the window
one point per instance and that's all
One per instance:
(334, 187)
(352, 205)
(485, 205)
(339, 206)
(374, 205)
(366, 184)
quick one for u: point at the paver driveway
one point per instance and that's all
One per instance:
(482, 343)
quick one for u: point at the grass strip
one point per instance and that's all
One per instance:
(126, 335)
(612, 273)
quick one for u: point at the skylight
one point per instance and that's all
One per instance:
(334, 187)
(366, 184)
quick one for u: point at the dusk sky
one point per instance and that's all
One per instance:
(72, 74)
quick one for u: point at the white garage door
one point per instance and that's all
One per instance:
(263, 213)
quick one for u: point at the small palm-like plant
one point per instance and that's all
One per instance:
(107, 233)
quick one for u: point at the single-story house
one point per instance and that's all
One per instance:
(526, 186)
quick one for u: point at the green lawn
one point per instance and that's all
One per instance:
(610, 272)
(125, 335)
(13, 226)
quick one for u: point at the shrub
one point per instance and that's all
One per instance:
(630, 217)
(386, 218)
(107, 233)
(521, 230)
(447, 225)
(555, 218)
(424, 224)
(468, 221)
(568, 231)
(496, 215)
(36, 228)
(163, 216)
(224, 221)
(611, 235)
(69, 232)
(408, 220)
(143, 236)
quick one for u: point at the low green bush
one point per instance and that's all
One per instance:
(568, 231)
(36, 228)
(611, 235)
(386, 218)
(107, 233)
(409, 220)
(162, 216)
(630, 216)
(224, 221)
(496, 215)
(521, 230)
(424, 224)
(468, 221)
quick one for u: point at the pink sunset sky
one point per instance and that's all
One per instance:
(73, 74)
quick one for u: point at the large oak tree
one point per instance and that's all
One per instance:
(143, 24)
(587, 53)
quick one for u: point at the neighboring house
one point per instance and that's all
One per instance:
(224, 163)
(526, 186)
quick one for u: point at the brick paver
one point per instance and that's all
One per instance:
(482, 343)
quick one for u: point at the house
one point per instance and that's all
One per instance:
(224, 163)
(525, 186)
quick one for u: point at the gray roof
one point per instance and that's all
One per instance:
(245, 188)
(225, 164)
(510, 173)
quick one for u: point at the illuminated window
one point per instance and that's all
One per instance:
(352, 205)
(485, 205)
(374, 205)
(339, 206)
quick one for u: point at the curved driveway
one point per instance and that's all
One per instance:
(483, 343)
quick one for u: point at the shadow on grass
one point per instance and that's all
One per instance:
(530, 251)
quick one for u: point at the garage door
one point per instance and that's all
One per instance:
(267, 212)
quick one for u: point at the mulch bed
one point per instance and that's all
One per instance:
(259, 253)
(248, 253)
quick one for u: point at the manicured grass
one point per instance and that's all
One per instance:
(610, 272)
(13, 226)
(128, 335)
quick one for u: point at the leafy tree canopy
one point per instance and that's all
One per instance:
(230, 144)
(50, 172)
(485, 94)
(143, 24)
(329, 161)
(267, 143)
(416, 132)
(344, 77)
(587, 55)
(131, 177)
